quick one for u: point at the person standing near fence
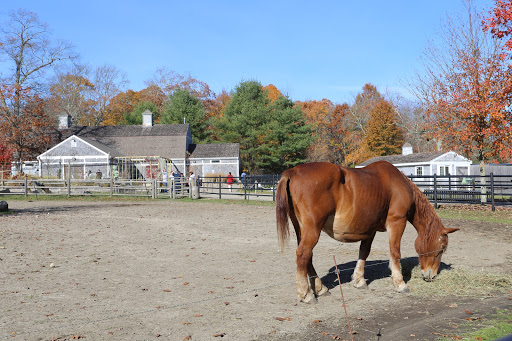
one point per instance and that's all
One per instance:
(192, 179)
(230, 182)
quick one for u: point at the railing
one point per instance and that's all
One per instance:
(490, 190)
(256, 187)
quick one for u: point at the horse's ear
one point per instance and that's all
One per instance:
(342, 175)
(450, 230)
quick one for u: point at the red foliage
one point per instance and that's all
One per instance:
(500, 22)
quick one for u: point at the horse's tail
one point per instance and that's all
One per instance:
(283, 201)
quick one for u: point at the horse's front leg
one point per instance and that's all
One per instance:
(396, 230)
(308, 240)
(364, 251)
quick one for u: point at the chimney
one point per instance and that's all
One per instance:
(407, 149)
(64, 121)
(147, 118)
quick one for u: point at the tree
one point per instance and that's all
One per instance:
(135, 116)
(357, 124)
(272, 92)
(182, 107)
(500, 22)
(467, 91)
(336, 132)
(244, 115)
(287, 138)
(383, 137)
(26, 133)
(28, 46)
(70, 94)
(315, 113)
(120, 105)
(108, 82)
(272, 136)
(169, 81)
(214, 109)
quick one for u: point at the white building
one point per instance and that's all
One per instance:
(439, 163)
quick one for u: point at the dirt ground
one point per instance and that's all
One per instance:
(176, 270)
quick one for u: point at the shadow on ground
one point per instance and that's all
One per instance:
(374, 270)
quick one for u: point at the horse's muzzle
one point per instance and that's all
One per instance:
(428, 275)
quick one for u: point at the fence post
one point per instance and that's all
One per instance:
(220, 187)
(273, 187)
(492, 191)
(435, 190)
(111, 185)
(69, 187)
(26, 187)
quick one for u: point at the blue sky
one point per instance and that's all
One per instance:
(308, 49)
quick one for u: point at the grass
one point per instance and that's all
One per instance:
(502, 215)
(491, 328)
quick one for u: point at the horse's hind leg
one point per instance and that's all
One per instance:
(308, 238)
(315, 282)
(364, 251)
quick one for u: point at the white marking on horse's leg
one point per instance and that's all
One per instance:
(396, 276)
(304, 293)
(320, 288)
(358, 280)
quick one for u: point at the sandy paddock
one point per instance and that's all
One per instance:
(162, 269)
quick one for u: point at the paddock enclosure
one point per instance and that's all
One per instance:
(172, 270)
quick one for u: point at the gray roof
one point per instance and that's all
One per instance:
(214, 150)
(164, 140)
(125, 130)
(397, 159)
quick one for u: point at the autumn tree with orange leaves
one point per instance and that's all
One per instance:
(467, 92)
(384, 136)
(499, 23)
(26, 133)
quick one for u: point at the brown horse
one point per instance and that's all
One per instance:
(351, 205)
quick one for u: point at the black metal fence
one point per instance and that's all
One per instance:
(255, 187)
(491, 189)
(494, 190)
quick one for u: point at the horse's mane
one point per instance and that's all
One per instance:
(424, 210)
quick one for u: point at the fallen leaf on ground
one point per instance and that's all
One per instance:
(219, 335)
(283, 318)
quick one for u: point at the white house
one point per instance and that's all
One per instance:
(439, 163)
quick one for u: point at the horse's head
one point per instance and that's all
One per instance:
(430, 252)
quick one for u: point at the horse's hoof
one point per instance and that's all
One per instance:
(403, 288)
(360, 284)
(323, 292)
(309, 299)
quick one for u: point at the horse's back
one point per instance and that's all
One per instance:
(348, 201)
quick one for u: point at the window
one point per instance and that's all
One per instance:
(444, 170)
(215, 161)
(419, 171)
(73, 143)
